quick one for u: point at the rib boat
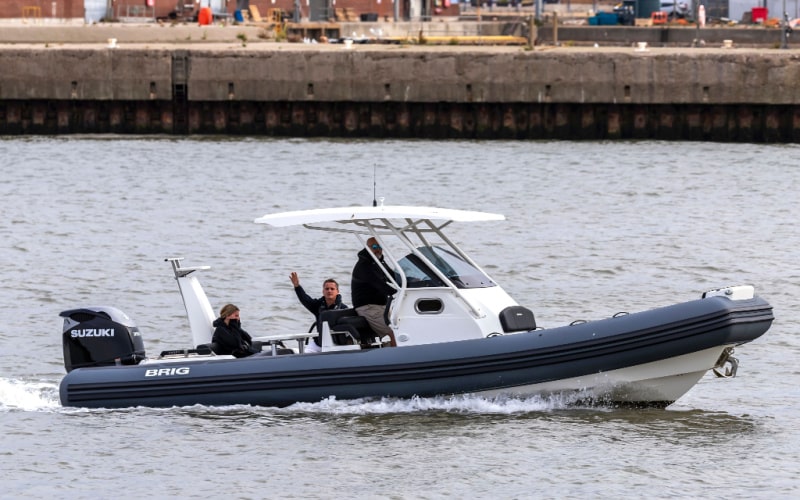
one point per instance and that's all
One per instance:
(456, 331)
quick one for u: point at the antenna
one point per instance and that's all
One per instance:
(374, 188)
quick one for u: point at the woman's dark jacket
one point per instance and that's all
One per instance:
(231, 339)
(370, 285)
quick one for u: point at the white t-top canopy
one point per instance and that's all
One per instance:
(355, 214)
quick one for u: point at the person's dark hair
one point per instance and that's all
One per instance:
(227, 310)
(330, 280)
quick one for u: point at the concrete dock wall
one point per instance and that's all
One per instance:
(667, 36)
(394, 91)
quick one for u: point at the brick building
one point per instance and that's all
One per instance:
(58, 9)
(313, 10)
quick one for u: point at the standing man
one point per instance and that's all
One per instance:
(370, 288)
(331, 299)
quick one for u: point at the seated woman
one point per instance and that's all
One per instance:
(229, 336)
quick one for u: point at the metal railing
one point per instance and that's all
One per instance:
(136, 13)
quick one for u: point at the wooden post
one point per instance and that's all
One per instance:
(555, 28)
(533, 32)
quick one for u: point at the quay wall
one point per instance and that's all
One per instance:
(403, 91)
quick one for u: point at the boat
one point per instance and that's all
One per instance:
(457, 332)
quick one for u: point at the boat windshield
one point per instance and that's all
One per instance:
(460, 272)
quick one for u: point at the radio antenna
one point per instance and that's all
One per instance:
(374, 188)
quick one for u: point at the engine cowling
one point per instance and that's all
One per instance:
(100, 336)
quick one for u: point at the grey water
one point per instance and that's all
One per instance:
(592, 229)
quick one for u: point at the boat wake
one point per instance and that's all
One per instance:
(28, 396)
(451, 404)
(466, 404)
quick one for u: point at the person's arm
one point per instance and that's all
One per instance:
(311, 304)
(380, 281)
(246, 336)
(241, 339)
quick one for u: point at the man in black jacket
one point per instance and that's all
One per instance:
(331, 299)
(370, 288)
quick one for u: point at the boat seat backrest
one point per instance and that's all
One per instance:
(211, 346)
(333, 316)
(517, 319)
(347, 320)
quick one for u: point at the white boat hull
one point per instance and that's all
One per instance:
(665, 380)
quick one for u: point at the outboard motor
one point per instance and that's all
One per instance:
(100, 336)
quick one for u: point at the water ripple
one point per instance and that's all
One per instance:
(592, 229)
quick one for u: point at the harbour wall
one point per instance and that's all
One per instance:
(403, 91)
